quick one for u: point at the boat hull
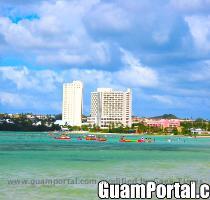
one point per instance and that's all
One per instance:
(63, 138)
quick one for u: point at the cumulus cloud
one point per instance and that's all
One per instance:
(133, 75)
(136, 74)
(47, 85)
(108, 17)
(11, 99)
(57, 36)
(71, 40)
(24, 78)
(200, 30)
(61, 34)
(24, 102)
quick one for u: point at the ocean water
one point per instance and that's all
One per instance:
(36, 166)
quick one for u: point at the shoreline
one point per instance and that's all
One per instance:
(140, 134)
(122, 134)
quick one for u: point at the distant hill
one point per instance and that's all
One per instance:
(165, 116)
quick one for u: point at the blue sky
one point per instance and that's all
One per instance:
(160, 49)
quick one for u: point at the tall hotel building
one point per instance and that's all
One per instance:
(109, 107)
(72, 103)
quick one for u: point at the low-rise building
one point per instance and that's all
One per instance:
(30, 116)
(198, 131)
(163, 123)
(41, 116)
(14, 115)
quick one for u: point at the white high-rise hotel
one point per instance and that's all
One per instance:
(109, 107)
(72, 103)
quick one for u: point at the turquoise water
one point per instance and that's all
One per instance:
(35, 157)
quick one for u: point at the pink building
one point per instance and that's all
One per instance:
(163, 123)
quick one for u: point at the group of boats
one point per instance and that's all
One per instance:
(142, 140)
(102, 139)
(88, 138)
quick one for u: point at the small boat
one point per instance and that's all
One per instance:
(79, 138)
(124, 140)
(101, 139)
(90, 137)
(63, 137)
(127, 140)
(141, 141)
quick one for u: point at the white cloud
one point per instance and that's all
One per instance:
(91, 77)
(200, 30)
(108, 17)
(40, 90)
(134, 73)
(45, 93)
(23, 78)
(57, 36)
(11, 99)
(21, 102)
(100, 55)
(18, 35)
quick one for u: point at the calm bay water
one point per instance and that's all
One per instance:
(34, 157)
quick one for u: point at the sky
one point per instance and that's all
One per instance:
(160, 49)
